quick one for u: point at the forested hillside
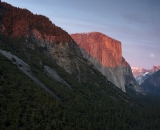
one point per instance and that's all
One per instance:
(90, 103)
(24, 105)
(18, 22)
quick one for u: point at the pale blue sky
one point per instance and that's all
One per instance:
(136, 23)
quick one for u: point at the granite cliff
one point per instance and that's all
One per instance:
(106, 55)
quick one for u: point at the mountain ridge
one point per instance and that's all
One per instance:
(152, 84)
(141, 74)
(59, 45)
(19, 22)
(88, 100)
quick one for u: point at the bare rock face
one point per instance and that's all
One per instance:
(155, 68)
(105, 54)
(40, 39)
(62, 53)
(105, 49)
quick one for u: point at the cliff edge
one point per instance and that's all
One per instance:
(105, 53)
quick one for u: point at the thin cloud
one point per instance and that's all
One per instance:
(137, 18)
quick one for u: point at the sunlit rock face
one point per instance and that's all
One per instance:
(155, 68)
(104, 49)
(105, 54)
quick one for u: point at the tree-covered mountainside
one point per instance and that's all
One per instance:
(96, 104)
(89, 103)
(18, 22)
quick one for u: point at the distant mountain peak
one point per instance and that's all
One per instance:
(152, 84)
(141, 74)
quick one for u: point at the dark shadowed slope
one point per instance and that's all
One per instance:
(152, 84)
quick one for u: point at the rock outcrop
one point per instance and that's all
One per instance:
(106, 55)
(26, 69)
(40, 31)
(61, 53)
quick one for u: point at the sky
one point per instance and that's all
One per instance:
(136, 23)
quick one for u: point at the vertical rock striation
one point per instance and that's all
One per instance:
(105, 54)
(62, 53)
(105, 49)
